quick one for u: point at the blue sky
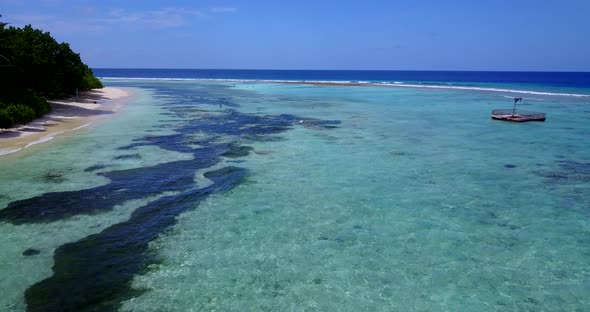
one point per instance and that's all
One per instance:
(551, 35)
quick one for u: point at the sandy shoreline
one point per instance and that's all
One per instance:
(66, 116)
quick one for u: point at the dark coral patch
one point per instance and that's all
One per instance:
(571, 172)
(53, 176)
(130, 156)
(125, 185)
(95, 273)
(31, 252)
(237, 151)
(95, 168)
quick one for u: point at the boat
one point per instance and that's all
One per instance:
(517, 115)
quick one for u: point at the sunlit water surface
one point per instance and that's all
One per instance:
(349, 199)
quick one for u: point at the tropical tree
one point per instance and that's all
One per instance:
(33, 67)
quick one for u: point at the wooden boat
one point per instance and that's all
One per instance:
(517, 115)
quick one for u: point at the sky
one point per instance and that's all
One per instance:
(496, 35)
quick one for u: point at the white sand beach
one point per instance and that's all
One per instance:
(67, 116)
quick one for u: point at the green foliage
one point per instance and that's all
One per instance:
(37, 103)
(23, 106)
(34, 66)
(90, 82)
(21, 112)
(6, 120)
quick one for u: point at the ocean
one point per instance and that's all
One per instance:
(243, 190)
(564, 79)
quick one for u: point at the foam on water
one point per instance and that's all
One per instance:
(67, 156)
(52, 136)
(415, 201)
(7, 151)
(43, 140)
(59, 167)
(418, 202)
(445, 86)
(471, 88)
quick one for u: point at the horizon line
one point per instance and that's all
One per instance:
(377, 70)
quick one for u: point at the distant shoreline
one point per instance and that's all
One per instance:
(67, 116)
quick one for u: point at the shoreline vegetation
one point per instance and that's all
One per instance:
(66, 116)
(34, 67)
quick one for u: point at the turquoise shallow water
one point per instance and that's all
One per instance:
(414, 201)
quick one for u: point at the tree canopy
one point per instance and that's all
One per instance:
(34, 67)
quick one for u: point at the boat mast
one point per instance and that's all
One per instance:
(516, 100)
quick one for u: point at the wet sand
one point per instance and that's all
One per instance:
(67, 116)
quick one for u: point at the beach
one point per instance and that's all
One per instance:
(66, 116)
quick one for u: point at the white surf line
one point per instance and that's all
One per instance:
(41, 140)
(52, 136)
(524, 98)
(404, 85)
(82, 126)
(382, 83)
(9, 151)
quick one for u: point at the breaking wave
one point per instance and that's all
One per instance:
(396, 84)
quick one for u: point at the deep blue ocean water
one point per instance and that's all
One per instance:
(230, 191)
(558, 79)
